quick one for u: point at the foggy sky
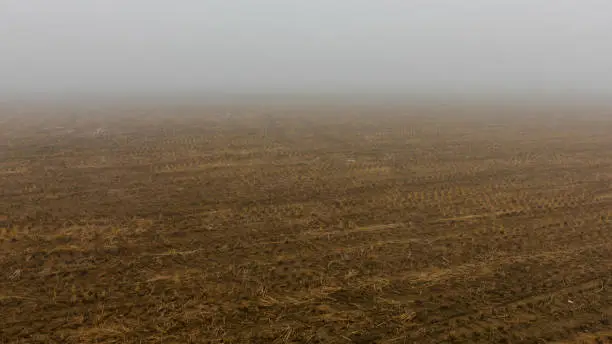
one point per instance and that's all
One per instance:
(412, 46)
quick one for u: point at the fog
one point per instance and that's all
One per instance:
(131, 47)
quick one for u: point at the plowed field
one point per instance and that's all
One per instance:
(328, 224)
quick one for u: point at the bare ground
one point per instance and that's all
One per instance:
(305, 225)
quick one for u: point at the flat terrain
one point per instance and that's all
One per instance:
(314, 224)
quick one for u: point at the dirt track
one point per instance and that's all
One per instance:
(313, 225)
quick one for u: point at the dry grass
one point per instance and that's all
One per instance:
(305, 225)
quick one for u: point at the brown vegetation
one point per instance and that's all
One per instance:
(305, 225)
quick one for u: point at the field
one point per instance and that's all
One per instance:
(305, 224)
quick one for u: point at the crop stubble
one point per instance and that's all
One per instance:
(318, 225)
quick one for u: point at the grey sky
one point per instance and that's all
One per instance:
(66, 46)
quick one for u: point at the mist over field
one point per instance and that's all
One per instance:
(284, 171)
(211, 49)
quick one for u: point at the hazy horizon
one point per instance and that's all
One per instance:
(136, 48)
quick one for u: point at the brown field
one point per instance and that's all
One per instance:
(313, 224)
